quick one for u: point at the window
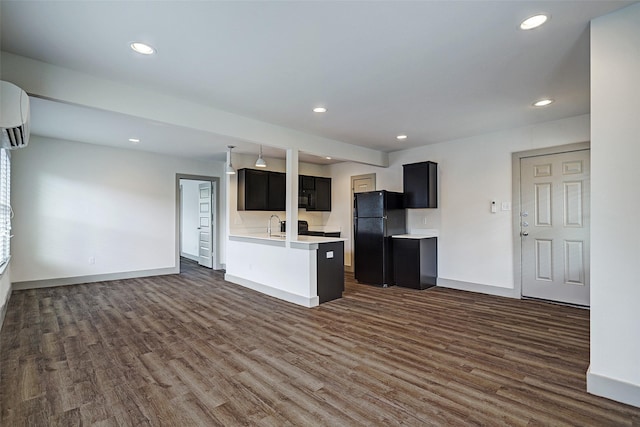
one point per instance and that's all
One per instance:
(5, 206)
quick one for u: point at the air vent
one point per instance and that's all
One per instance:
(14, 138)
(14, 116)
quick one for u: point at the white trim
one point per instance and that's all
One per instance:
(477, 287)
(613, 389)
(273, 292)
(217, 232)
(65, 281)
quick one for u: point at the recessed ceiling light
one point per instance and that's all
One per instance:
(543, 103)
(328, 158)
(534, 21)
(134, 140)
(401, 137)
(319, 110)
(142, 48)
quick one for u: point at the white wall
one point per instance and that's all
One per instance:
(474, 246)
(190, 218)
(615, 200)
(75, 201)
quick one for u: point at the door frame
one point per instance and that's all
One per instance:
(351, 267)
(515, 201)
(215, 182)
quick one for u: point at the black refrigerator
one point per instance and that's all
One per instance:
(377, 216)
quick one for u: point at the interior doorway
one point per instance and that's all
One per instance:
(197, 231)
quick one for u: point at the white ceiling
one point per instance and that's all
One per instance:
(434, 70)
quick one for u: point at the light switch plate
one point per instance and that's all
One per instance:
(506, 206)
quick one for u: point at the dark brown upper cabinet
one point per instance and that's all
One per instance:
(260, 190)
(323, 194)
(277, 199)
(420, 184)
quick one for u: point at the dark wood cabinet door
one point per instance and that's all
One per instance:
(277, 191)
(415, 262)
(420, 185)
(253, 190)
(330, 271)
(323, 194)
(406, 262)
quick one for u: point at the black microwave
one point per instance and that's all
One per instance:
(307, 199)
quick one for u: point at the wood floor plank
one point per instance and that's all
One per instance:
(194, 350)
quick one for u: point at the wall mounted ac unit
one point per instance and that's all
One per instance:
(14, 116)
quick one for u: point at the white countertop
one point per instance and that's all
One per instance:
(281, 237)
(325, 228)
(425, 235)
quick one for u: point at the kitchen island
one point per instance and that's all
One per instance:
(305, 270)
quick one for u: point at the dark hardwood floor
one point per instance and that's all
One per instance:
(192, 349)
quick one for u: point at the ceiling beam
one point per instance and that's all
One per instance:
(65, 85)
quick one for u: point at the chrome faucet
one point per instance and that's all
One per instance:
(269, 226)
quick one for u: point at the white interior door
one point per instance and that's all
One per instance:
(205, 235)
(361, 185)
(554, 224)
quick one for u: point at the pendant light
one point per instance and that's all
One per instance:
(230, 170)
(260, 163)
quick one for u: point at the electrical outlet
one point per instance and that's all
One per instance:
(92, 260)
(424, 220)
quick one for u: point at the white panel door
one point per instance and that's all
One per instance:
(361, 185)
(554, 225)
(205, 236)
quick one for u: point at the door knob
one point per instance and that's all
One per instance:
(524, 233)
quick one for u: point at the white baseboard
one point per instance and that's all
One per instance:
(613, 389)
(273, 292)
(477, 287)
(64, 281)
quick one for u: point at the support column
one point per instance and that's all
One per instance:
(292, 195)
